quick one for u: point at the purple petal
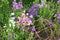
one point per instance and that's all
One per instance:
(35, 6)
(15, 17)
(20, 5)
(59, 1)
(36, 13)
(21, 29)
(17, 7)
(51, 20)
(49, 25)
(32, 13)
(33, 29)
(12, 35)
(30, 10)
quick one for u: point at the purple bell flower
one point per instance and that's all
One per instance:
(33, 10)
(49, 25)
(35, 6)
(33, 29)
(20, 5)
(12, 35)
(16, 5)
(21, 28)
(36, 13)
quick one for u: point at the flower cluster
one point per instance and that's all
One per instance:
(11, 20)
(58, 1)
(16, 5)
(33, 10)
(24, 19)
(39, 20)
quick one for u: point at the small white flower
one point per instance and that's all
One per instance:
(11, 21)
(24, 11)
(7, 30)
(13, 26)
(4, 26)
(27, 14)
(12, 18)
(12, 13)
(9, 25)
